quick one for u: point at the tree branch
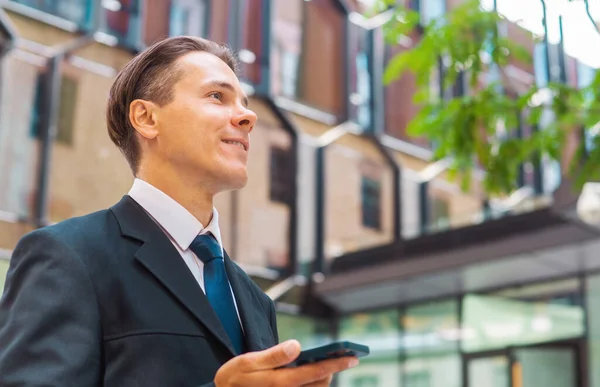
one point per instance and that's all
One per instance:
(589, 14)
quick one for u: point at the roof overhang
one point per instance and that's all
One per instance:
(513, 250)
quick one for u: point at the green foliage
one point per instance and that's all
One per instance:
(478, 129)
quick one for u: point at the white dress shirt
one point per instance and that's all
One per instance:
(180, 226)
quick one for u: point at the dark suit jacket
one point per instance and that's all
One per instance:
(107, 300)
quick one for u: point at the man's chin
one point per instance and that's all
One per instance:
(235, 180)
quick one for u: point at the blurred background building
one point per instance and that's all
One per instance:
(345, 221)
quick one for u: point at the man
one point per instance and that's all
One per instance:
(142, 294)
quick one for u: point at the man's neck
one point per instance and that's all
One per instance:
(197, 202)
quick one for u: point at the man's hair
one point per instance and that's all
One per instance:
(150, 76)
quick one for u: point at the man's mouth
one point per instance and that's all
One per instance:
(237, 143)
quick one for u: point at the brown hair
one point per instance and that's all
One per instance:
(150, 75)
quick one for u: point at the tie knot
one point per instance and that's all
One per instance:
(206, 248)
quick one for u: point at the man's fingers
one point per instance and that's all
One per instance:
(315, 372)
(271, 358)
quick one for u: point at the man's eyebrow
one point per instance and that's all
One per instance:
(228, 86)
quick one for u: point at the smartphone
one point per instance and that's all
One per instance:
(330, 351)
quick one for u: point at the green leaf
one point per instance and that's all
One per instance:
(395, 68)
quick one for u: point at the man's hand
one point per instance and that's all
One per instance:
(261, 369)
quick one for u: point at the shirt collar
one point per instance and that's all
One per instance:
(178, 222)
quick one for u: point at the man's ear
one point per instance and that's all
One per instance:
(142, 115)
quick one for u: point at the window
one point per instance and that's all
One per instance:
(187, 18)
(66, 113)
(365, 381)
(371, 203)
(322, 63)
(360, 70)
(429, 9)
(77, 11)
(417, 379)
(439, 214)
(281, 174)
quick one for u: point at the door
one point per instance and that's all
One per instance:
(548, 366)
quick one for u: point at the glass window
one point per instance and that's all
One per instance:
(430, 328)
(381, 332)
(66, 113)
(360, 76)
(286, 46)
(371, 202)
(281, 173)
(76, 11)
(309, 37)
(430, 341)
(310, 332)
(121, 19)
(519, 316)
(250, 43)
(187, 17)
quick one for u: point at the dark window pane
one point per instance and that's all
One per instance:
(281, 175)
(371, 202)
(68, 97)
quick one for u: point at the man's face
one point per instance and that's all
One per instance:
(204, 131)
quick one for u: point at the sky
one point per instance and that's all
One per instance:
(581, 40)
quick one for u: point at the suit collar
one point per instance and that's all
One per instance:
(156, 255)
(174, 219)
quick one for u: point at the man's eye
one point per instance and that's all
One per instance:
(216, 95)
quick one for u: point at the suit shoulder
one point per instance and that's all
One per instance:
(77, 231)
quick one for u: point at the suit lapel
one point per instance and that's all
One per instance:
(160, 257)
(248, 307)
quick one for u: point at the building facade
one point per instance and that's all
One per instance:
(344, 222)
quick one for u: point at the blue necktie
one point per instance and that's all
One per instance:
(217, 288)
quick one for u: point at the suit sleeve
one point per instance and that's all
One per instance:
(50, 331)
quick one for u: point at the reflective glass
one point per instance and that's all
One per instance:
(528, 315)
(381, 332)
(76, 11)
